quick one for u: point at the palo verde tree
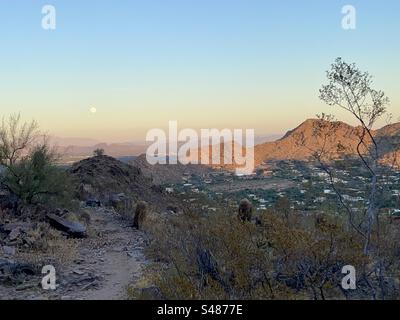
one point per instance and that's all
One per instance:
(351, 89)
(16, 137)
(30, 170)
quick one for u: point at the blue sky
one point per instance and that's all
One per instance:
(251, 64)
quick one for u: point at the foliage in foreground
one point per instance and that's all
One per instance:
(277, 257)
(28, 168)
(37, 179)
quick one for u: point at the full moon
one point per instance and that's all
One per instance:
(93, 110)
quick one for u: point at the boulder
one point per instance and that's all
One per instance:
(74, 229)
(15, 230)
(117, 198)
(93, 203)
(23, 226)
(8, 251)
(14, 234)
(11, 270)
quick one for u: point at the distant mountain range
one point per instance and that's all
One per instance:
(113, 149)
(296, 144)
(77, 142)
(82, 147)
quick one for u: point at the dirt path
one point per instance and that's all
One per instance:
(106, 262)
(113, 259)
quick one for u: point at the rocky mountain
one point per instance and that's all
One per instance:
(391, 130)
(389, 137)
(103, 179)
(337, 138)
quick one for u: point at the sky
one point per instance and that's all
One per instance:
(206, 63)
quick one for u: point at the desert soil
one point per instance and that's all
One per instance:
(109, 260)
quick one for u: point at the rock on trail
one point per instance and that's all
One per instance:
(107, 261)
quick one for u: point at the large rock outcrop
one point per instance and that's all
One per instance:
(104, 180)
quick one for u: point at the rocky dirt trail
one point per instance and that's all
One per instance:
(109, 260)
(114, 261)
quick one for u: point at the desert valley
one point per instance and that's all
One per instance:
(99, 254)
(199, 154)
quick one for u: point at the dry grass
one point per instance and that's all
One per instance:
(281, 257)
(47, 246)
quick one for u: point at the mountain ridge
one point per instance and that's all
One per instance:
(312, 134)
(296, 144)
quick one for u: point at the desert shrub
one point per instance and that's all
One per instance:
(43, 245)
(36, 178)
(281, 257)
(125, 206)
(16, 137)
(282, 206)
(98, 152)
(28, 168)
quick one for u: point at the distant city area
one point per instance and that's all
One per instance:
(307, 187)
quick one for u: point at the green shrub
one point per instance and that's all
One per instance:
(36, 178)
